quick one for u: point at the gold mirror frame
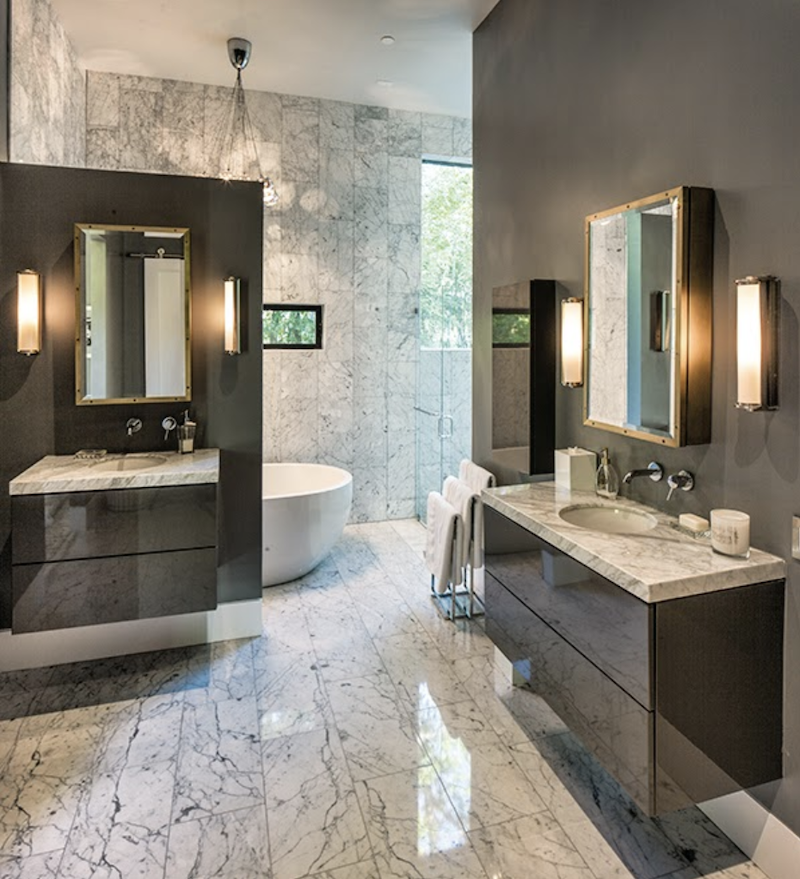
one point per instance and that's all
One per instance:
(80, 372)
(691, 370)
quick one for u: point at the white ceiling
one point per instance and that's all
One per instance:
(320, 48)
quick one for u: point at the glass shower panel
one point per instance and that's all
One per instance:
(444, 362)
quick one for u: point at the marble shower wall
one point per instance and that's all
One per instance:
(346, 234)
(47, 103)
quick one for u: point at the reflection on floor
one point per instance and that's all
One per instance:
(361, 737)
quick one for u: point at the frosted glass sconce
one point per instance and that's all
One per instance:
(29, 312)
(232, 340)
(572, 342)
(757, 329)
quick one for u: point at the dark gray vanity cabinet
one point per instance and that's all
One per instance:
(83, 558)
(680, 700)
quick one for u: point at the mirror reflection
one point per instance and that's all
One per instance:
(133, 311)
(632, 255)
(523, 376)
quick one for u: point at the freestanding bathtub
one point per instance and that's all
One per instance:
(305, 508)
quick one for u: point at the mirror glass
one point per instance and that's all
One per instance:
(523, 376)
(133, 314)
(632, 259)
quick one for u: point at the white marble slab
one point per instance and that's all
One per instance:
(656, 565)
(57, 474)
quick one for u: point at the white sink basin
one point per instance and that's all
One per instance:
(609, 520)
(128, 464)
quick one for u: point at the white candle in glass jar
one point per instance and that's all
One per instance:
(730, 532)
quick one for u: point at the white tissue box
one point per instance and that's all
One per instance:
(576, 469)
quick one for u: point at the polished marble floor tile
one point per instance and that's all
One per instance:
(414, 829)
(232, 845)
(534, 846)
(121, 825)
(314, 820)
(360, 737)
(219, 763)
(290, 693)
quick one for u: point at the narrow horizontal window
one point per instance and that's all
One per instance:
(511, 328)
(292, 326)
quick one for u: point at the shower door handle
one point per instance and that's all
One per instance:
(442, 420)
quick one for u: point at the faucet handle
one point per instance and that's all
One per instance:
(168, 424)
(133, 425)
(683, 480)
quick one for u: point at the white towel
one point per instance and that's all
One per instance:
(476, 477)
(462, 498)
(443, 542)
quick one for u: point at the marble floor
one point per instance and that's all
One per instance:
(361, 737)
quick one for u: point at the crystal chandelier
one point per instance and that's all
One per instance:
(239, 158)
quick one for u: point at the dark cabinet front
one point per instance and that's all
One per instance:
(680, 700)
(86, 558)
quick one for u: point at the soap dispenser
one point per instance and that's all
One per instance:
(606, 482)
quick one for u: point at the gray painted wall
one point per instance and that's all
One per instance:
(580, 106)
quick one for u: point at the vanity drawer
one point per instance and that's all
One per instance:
(97, 524)
(60, 595)
(607, 625)
(611, 724)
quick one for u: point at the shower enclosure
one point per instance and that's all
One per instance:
(444, 362)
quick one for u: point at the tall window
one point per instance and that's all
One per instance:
(446, 291)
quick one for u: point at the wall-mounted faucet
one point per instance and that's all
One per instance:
(133, 425)
(682, 480)
(654, 471)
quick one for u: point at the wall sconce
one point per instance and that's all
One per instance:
(757, 333)
(232, 340)
(29, 312)
(572, 342)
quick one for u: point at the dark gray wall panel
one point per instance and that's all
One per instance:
(5, 80)
(38, 415)
(579, 106)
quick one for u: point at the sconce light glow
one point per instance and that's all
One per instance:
(29, 312)
(757, 321)
(572, 342)
(232, 341)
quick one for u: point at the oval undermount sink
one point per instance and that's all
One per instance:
(609, 520)
(128, 464)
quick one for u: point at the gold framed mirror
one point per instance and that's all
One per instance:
(133, 314)
(648, 270)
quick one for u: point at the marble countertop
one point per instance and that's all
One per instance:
(655, 565)
(56, 474)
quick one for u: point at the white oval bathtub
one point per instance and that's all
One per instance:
(305, 509)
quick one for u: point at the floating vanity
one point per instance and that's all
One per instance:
(663, 657)
(121, 537)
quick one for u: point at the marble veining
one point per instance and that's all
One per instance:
(56, 474)
(657, 565)
(360, 737)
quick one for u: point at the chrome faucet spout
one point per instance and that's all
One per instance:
(654, 471)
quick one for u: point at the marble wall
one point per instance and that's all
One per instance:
(346, 234)
(47, 102)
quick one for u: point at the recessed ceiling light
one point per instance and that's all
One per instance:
(385, 83)
(387, 39)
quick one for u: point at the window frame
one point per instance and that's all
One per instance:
(292, 306)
